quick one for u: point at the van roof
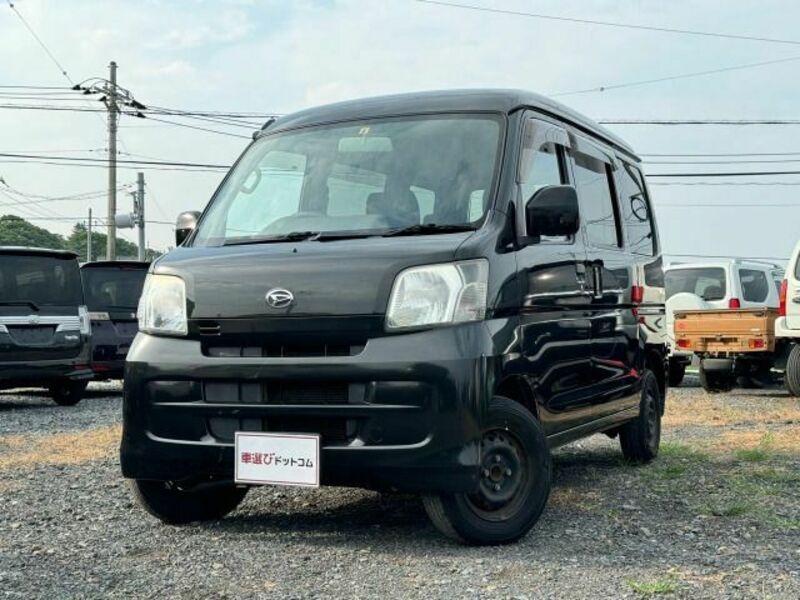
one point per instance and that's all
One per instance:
(22, 250)
(115, 263)
(486, 100)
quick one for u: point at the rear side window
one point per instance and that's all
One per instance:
(707, 282)
(596, 192)
(636, 214)
(755, 285)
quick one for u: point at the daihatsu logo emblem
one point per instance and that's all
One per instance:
(279, 298)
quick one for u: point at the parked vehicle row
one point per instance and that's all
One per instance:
(720, 308)
(62, 325)
(423, 293)
(739, 319)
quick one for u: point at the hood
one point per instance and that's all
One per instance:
(326, 278)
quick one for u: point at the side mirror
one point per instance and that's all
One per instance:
(552, 210)
(185, 224)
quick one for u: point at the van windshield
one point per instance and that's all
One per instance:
(706, 282)
(413, 174)
(39, 280)
(109, 288)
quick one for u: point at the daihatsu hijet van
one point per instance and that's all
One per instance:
(422, 292)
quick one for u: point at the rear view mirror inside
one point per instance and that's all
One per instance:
(365, 144)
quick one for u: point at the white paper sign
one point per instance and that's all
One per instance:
(277, 459)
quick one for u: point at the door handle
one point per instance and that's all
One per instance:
(796, 299)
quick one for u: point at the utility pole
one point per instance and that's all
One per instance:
(89, 238)
(113, 112)
(140, 213)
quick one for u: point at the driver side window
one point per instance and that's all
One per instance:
(546, 167)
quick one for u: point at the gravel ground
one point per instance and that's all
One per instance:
(716, 516)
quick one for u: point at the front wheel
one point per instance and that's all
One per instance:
(67, 393)
(514, 481)
(176, 506)
(641, 437)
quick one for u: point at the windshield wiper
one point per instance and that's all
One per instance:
(294, 236)
(33, 305)
(428, 228)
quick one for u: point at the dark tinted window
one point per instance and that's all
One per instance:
(755, 286)
(706, 282)
(113, 287)
(595, 192)
(43, 280)
(636, 213)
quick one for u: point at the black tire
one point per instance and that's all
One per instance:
(792, 375)
(67, 393)
(715, 382)
(516, 470)
(177, 507)
(676, 372)
(641, 437)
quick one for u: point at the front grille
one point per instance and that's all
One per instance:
(332, 430)
(208, 328)
(279, 392)
(298, 350)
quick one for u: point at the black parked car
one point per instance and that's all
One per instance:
(421, 292)
(112, 290)
(44, 324)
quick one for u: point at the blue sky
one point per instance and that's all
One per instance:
(282, 56)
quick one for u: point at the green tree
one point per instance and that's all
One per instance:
(16, 231)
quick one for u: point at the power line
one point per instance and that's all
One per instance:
(236, 135)
(730, 205)
(727, 183)
(34, 87)
(610, 24)
(719, 154)
(121, 161)
(40, 42)
(724, 174)
(674, 77)
(721, 162)
(103, 166)
(699, 122)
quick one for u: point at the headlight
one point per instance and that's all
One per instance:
(439, 294)
(162, 307)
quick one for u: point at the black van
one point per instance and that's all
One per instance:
(44, 324)
(422, 292)
(112, 290)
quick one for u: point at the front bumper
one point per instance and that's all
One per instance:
(404, 413)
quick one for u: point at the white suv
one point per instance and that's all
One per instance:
(732, 283)
(787, 325)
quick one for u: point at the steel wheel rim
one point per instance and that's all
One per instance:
(504, 478)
